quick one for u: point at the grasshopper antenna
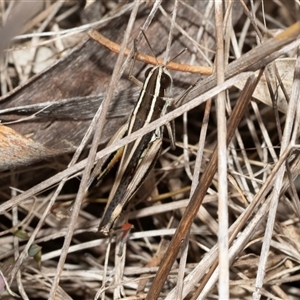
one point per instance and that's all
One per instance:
(173, 58)
(144, 34)
(166, 60)
(171, 33)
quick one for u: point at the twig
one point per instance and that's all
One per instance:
(114, 47)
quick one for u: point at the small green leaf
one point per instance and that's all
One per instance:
(38, 257)
(21, 235)
(34, 250)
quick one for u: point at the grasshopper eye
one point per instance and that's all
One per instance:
(147, 72)
(165, 80)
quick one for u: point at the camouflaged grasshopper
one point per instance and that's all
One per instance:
(139, 157)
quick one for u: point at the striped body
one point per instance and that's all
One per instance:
(139, 156)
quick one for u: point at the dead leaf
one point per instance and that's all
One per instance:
(285, 67)
(17, 150)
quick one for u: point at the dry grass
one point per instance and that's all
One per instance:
(248, 191)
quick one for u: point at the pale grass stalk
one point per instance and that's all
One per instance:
(15, 221)
(185, 34)
(119, 272)
(185, 247)
(203, 131)
(238, 246)
(76, 30)
(104, 279)
(247, 163)
(34, 41)
(267, 138)
(223, 287)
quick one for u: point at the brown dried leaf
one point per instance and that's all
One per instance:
(17, 150)
(292, 233)
(285, 67)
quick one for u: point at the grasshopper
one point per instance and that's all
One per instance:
(139, 157)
